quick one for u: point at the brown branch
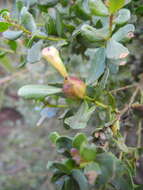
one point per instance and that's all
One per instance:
(127, 107)
(111, 23)
(124, 88)
(11, 77)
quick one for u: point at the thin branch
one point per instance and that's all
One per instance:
(29, 33)
(11, 77)
(124, 88)
(127, 107)
(139, 133)
(6, 50)
(111, 23)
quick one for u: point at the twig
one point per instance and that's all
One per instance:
(100, 104)
(11, 77)
(127, 107)
(139, 133)
(134, 96)
(123, 88)
(111, 23)
(6, 50)
(29, 33)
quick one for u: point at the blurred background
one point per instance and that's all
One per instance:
(24, 147)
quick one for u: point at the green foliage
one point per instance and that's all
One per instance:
(80, 119)
(4, 26)
(37, 91)
(114, 5)
(88, 45)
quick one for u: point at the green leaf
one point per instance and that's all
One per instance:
(12, 35)
(115, 5)
(124, 34)
(53, 137)
(64, 2)
(12, 44)
(111, 168)
(123, 17)
(122, 183)
(80, 119)
(37, 91)
(78, 140)
(19, 4)
(34, 53)
(88, 152)
(4, 12)
(97, 64)
(139, 10)
(115, 50)
(64, 144)
(62, 167)
(50, 25)
(48, 3)
(98, 8)
(70, 164)
(80, 179)
(92, 34)
(4, 26)
(59, 24)
(27, 20)
(81, 9)
(70, 184)
(93, 167)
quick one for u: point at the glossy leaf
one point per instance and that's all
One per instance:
(82, 116)
(37, 91)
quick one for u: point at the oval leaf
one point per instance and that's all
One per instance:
(78, 140)
(37, 91)
(12, 35)
(80, 179)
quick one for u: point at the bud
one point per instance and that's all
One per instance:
(51, 54)
(74, 87)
